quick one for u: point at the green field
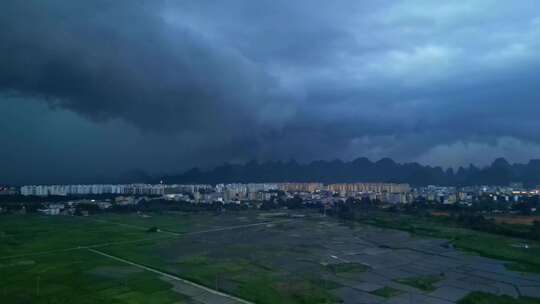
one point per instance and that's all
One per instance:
(80, 277)
(486, 298)
(387, 292)
(36, 233)
(423, 282)
(43, 259)
(237, 268)
(46, 259)
(347, 270)
(181, 222)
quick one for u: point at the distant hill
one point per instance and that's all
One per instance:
(500, 172)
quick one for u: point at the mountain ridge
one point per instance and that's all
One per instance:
(361, 169)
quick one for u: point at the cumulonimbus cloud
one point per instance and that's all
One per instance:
(280, 79)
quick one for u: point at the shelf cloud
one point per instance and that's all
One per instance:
(177, 84)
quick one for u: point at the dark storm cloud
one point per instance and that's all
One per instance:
(122, 59)
(235, 80)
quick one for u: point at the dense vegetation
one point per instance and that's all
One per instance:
(469, 217)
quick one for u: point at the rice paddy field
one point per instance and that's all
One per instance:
(250, 257)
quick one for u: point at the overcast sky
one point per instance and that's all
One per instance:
(97, 88)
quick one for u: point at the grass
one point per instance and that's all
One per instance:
(33, 233)
(387, 292)
(257, 265)
(421, 282)
(523, 267)
(80, 277)
(269, 290)
(256, 283)
(347, 267)
(76, 275)
(245, 276)
(180, 222)
(23, 234)
(239, 268)
(347, 270)
(487, 298)
(242, 269)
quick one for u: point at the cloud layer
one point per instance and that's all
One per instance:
(206, 82)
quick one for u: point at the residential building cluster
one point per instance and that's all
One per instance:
(393, 193)
(235, 192)
(515, 192)
(8, 190)
(226, 193)
(65, 190)
(346, 188)
(312, 192)
(352, 188)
